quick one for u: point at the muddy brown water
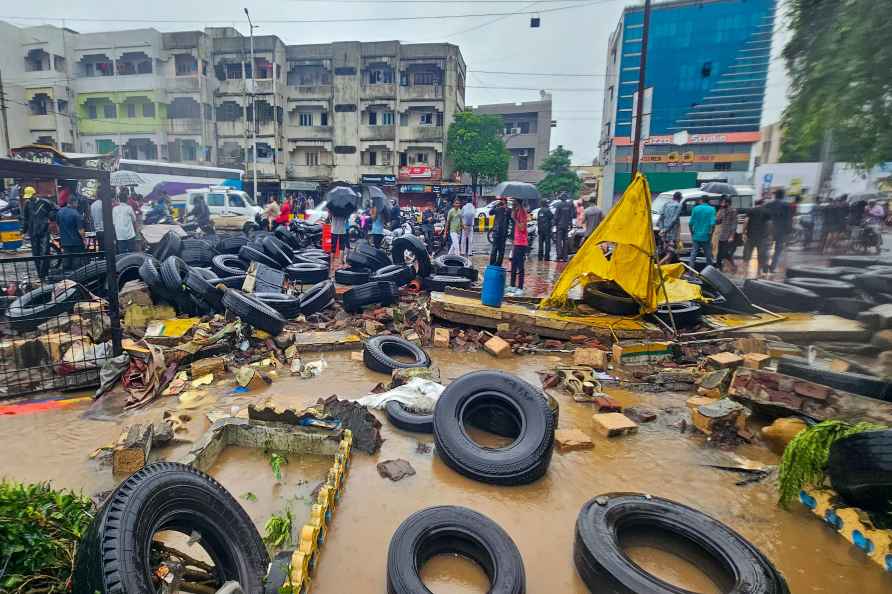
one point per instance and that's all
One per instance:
(659, 460)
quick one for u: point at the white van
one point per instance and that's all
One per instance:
(743, 201)
(230, 209)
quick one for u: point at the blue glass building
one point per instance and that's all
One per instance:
(707, 65)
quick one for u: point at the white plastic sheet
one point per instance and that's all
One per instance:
(419, 395)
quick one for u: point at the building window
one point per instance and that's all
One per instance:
(131, 110)
(185, 64)
(427, 119)
(404, 159)
(62, 106)
(323, 117)
(421, 157)
(387, 118)
(439, 120)
(110, 111)
(233, 71)
(427, 78)
(264, 68)
(523, 163)
(373, 158)
(306, 119)
(404, 119)
(311, 158)
(404, 79)
(386, 157)
(148, 110)
(721, 166)
(373, 118)
(91, 111)
(380, 76)
(524, 127)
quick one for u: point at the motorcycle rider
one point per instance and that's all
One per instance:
(499, 231)
(202, 215)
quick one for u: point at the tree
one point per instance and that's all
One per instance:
(474, 146)
(839, 61)
(558, 175)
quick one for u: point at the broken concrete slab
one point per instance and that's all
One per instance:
(725, 360)
(441, 338)
(613, 424)
(329, 340)
(756, 360)
(715, 379)
(497, 347)
(640, 414)
(568, 440)
(395, 470)
(595, 358)
(719, 414)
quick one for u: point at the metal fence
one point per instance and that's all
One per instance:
(55, 322)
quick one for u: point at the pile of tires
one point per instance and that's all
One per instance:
(523, 461)
(860, 470)
(380, 352)
(852, 285)
(455, 266)
(370, 293)
(197, 252)
(363, 265)
(32, 309)
(253, 311)
(411, 251)
(604, 566)
(610, 298)
(317, 298)
(782, 296)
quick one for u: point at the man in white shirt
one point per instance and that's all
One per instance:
(468, 214)
(125, 226)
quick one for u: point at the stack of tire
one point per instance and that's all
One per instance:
(190, 290)
(450, 271)
(27, 312)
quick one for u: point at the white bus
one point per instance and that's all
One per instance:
(176, 178)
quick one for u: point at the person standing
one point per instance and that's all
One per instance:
(592, 217)
(758, 226)
(563, 220)
(468, 216)
(271, 212)
(702, 223)
(726, 219)
(521, 242)
(500, 215)
(379, 215)
(544, 224)
(125, 226)
(667, 227)
(427, 227)
(453, 227)
(38, 212)
(396, 216)
(96, 217)
(781, 223)
(340, 241)
(71, 233)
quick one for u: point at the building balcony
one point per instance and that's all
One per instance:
(422, 133)
(309, 92)
(377, 170)
(421, 92)
(184, 126)
(520, 141)
(377, 132)
(268, 128)
(42, 122)
(309, 132)
(232, 86)
(112, 84)
(309, 171)
(121, 126)
(263, 86)
(264, 170)
(379, 91)
(184, 84)
(234, 128)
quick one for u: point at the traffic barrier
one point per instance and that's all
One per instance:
(305, 559)
(851, 523)
(484, 223)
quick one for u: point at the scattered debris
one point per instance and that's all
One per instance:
(497, 347)
(441, 338)
(640, 414)
(131, 452)
(423, 448)
(395, 470)
(725, 360)
(568, 440)
(595, 358)
(613, 424)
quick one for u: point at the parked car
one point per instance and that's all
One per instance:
(230, 209)
(689, 199)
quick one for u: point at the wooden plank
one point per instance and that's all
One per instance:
(784, 395)
(330, 340)
(132, 450)
(797, 328)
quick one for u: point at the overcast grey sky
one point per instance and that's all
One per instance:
(571, 41)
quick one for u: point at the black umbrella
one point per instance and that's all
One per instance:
(518, 191)
(341, 201)
(719, 188)
(377, 196)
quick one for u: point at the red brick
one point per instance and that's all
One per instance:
(606, 404)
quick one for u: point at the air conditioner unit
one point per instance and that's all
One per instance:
(522, 153)
(515, 130)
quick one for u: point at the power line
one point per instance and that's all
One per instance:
(487, 23)
(308, 21)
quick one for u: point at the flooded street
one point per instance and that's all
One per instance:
(55, 445)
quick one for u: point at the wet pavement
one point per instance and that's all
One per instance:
(54, 445)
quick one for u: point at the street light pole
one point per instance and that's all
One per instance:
(253, 103)
(639, 107)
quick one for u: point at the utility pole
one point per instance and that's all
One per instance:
(3, 112)
(639, 107)
(253, 102)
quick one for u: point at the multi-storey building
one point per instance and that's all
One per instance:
(527, 135)
(707, 64)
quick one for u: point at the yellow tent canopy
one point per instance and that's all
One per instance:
(632, 264)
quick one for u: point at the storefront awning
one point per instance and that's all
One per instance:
(300, 186)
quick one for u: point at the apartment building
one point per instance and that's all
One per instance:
(527, 135)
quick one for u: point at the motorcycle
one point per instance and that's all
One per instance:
(865, 237)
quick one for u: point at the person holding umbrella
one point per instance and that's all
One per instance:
(521, 243)
(499, 231)
(341, 201)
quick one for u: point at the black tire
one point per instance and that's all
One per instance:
(735, 298)
(173, 273)
(395, 273)
(287, 305)
(197, 252)
(447, 260)
(204, 289)
(286, 237)
(410, 243)
(469, 273)
(370, 293)
(379, 351)
(377, 255)
(855, 261)
(251, 254)
(499, 421)
(359, 260)
(254, 312)
(278, 251)
(317, 298)
(403, 418)
(604, 566)
(845, 307)
(112, 556)
(781, 295)
(92, 276)
(833, 272)
(351, 276)
(35, 307)
(150, 273)
(610, 299)
(824, 287)
(458, 530)
(438, 282)
(305, 273)
(249, 227)
(525, 460)
(229, 265)
(874, 282)
(860, 469)
(231, 282)
(856, 383)
(232, 244)
(128, 265)
(686, 314)
(302, 258)
(170, 245)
